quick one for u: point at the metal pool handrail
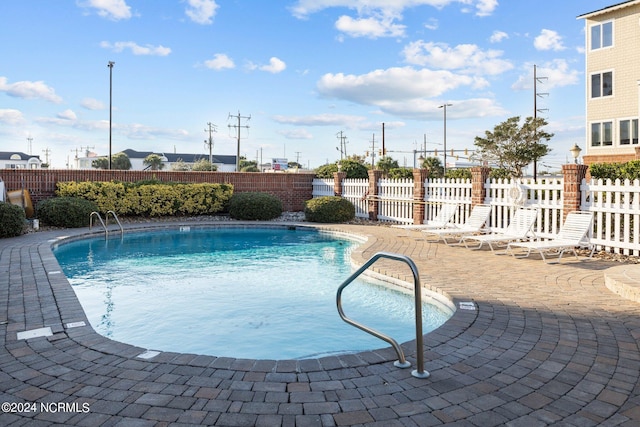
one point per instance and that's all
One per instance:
(401, 362)
(114, 217)
(105, 225)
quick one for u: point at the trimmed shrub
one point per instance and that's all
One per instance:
(67, 212)
(254, 206)
(12, 220)
(329, 209)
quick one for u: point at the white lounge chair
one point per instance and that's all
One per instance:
(520, 228)
(441, 220)
(574, 233)
(474, 224)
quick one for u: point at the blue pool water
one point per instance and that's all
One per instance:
(263, 293)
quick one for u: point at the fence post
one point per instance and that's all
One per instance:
(338, 177)
(419, 176)
(571, 198)
(479, 175)
(374, 176)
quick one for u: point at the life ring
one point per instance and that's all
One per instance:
(517, 195)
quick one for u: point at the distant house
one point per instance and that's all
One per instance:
(17, 160)
(224, 163)
(612, 58)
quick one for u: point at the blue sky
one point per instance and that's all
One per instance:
(303, 70)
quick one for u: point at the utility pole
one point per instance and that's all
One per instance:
(30, 140)
(536, 79)
(110, 65)
(238, 127)
(373, 151)
(343, 144)
(384, 150)
(212, 128)
(46, 152)
(297, 158)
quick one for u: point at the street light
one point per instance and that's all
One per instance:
(575, 152)
(110, 65)
(444, 106)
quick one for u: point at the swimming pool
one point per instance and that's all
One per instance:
(260, 293)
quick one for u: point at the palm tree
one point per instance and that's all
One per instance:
(154, 162)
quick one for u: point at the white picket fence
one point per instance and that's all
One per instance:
(616, 205)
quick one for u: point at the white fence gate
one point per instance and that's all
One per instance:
(395, 200)
(355, 191)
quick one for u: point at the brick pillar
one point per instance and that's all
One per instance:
(573, 176)
(419, 176)
(637, 153)
(374, 176)
(479, 175)
(338, 177)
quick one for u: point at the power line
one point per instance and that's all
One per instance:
(238, 127)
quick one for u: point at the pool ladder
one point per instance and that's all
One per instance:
(402, 362)
(105, 223)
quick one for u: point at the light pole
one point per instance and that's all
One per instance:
(110, 65)
(575, 152)
(444, 107)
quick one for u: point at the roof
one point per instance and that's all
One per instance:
(185, 157)
(12, 155)
(608, 9)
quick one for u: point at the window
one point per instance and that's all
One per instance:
(629, 132)
(602, 84)
(602, 35)
(601, 134)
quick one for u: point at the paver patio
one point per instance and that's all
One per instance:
(548, 344)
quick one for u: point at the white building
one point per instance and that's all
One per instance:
(17, 160)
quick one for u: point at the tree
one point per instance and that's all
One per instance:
(100, 163)
(511, 146)
(179, 166)
(154, 162)
(204, 165)
(434, 166)
(386, 163)
(354, 169)
(119, 161)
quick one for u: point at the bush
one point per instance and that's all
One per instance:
(458, 174)
(329, 209)
(254, 206)
(12, 220)
(68, 212)
(400, 173)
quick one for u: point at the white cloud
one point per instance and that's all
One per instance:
(67, 115)
(498, 36)
(29, 90)
(556, 73)
(275, 66)
(136, 49)
(11, 116)
(296, 134)
(486, 7)
(220, 61)
(467, 58)
(201, 11)
(320, 120)
(396, 84)
(111, 9)
(92, 104)
(548, 40)
(432, 24)
(371, 27)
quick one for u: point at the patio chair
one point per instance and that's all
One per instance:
(441, 220)
(474, 224)
(573, 234)
(520, 228)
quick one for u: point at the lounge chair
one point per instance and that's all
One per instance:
(474, 224)
(441, 220)
(520, 228)
(574, 233)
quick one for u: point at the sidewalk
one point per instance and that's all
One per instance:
(548, 344)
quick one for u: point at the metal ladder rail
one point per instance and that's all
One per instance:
(114, 217)
(96, 214)
(401, 362)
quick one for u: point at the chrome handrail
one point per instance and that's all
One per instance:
(100, 219)
(116, 218)
(401, 362)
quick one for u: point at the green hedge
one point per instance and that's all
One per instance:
(12, 220)
(151, 198)
(329, 209)
(67, 212)
(254, 206)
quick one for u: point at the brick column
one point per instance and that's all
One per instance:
(374, 176)
(419, 176)
(573, 176)
(479, 175)
(338, 177)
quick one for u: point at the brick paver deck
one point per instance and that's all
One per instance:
(546, 345)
